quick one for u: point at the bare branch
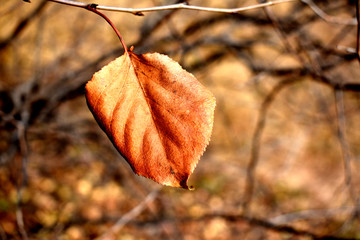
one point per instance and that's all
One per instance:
(21, 130)
(327, 17)
(309, 214)
(130, 215)
(139, 11)
(186, 6)
(256, 142)
(339, 98)
(253, 221)
(22, 24)
(358, 30)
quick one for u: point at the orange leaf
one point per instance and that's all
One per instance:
(157, 115)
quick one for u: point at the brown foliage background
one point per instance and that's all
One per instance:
(283, 161)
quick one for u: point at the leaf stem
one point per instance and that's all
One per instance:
(92, 8)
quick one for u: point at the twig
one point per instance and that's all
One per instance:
(21, 131)
(327, 17)
(20, 219)
(340, 111)
(308, 214)
(256, 143)
(2, 233)
(358, 30)
(140, 11)
(22, 24)
(186, 6)
(91, 7)
(270, 226)
(256, 222)
(130, 215)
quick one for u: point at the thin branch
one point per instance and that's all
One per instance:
(252, 221)
(2, 233)
(256, 142)
(340, 111)
(341, 130)
(186, 6)
(310, 214)
(21, 130)
(326, 17)
(140, 11)
(22, 24)
(20, 220)
(258, 222)
(91, 7)
(358, 30)
(130, 215)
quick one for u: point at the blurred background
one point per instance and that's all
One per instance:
(284, 157)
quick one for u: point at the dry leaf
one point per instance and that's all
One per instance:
(157, 115)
